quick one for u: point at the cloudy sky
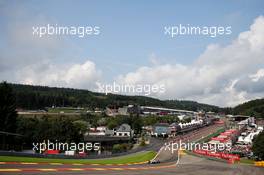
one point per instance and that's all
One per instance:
(132, 49)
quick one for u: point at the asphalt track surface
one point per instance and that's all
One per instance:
(188, 164)
(167, 154)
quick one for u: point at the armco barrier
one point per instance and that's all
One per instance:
(152, 147)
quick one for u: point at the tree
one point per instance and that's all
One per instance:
(8, 112)
(187, 120)
(112, 124)
(81, 126)
(102, 122)
(137, 124)
(8, 115)
(258, 146)
(117, 148)
(63, 130)
(27, 127)
(39, 97)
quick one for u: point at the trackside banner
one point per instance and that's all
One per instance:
(218, 155)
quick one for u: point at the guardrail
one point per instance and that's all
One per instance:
(89, 156)
(62, 156)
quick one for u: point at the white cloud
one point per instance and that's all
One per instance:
(82, 76)
(255, 77)
(215, 76)
(29, 59)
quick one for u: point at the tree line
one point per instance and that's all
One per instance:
(252, 108)
(39, 97)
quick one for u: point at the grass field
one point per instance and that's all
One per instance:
(207, 138)
(67, 110)
(247, 161)
(242, 160)
(133, 158)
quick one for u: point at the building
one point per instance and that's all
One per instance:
(123, 111)
(98, 131)
(237, 118)
(165, 111)
(247, 122)
(161, 129)
(124, 131)
(111, 112)
(109, 137)
(133, 109)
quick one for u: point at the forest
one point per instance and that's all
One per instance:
(40, 97)
(252, 108)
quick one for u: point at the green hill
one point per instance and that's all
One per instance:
(39, 97)
(253, 108)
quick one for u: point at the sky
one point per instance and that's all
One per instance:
(132, 47)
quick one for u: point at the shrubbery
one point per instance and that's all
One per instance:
(258, 146)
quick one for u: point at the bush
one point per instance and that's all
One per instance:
(258, 146)
(121, 147)
(143, 142)
(117, 148)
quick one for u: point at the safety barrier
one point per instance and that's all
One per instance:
(259, 163)
(231, 158)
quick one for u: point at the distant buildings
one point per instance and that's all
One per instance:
(161, 129)
(164, 111)
(134, 109)
(109, 137)
(98, 131)
(237, 118)
(123, 130)
(111, 112)
(147, 110)
(123, 111)
(120, 111)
